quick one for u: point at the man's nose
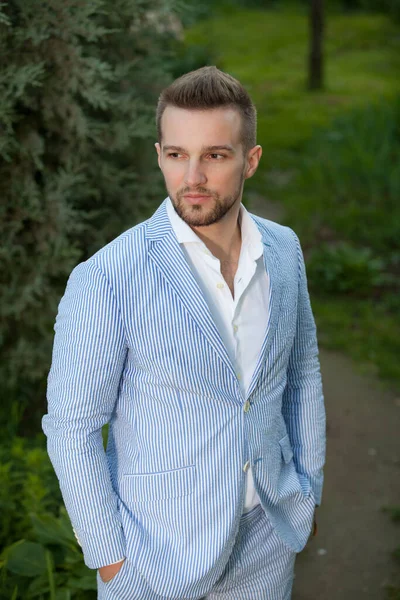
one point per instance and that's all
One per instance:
(195, 174)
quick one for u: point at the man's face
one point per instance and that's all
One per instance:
(203, 162)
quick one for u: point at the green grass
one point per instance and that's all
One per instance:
(365, 329)
(267, 52)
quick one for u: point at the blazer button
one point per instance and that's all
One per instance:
(246, 466)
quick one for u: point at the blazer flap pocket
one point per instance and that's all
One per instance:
(148, 487)
(286, 448)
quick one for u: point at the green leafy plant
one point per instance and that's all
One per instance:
(393, 591)
(78, 86)
(51, 565)
(41, 557)
(343, 268)
(348, 180)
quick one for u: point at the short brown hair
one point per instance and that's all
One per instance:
(208, 88)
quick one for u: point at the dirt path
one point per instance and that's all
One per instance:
(350, 559)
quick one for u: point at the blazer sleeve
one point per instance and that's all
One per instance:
(303, 402)
(88, 358)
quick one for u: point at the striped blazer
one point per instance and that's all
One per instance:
(136, 347)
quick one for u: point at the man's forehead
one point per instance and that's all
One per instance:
(215, 127)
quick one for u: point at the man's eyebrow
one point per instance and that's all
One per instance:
(225, 147)
(173, 148)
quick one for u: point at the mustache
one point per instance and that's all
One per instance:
(199, 190)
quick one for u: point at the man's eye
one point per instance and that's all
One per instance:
(174, 154)
(217, 156)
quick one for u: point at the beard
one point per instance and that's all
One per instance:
(199, 215)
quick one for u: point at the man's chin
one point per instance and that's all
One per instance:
(196, 216)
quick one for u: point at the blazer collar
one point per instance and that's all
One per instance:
(168, 256)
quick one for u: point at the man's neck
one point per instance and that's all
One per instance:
(223, 239)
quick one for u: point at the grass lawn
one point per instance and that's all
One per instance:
(267, 51)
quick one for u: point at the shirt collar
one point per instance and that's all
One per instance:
(183, 232)
(251, 236)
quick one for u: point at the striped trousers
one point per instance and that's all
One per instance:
(260, 567)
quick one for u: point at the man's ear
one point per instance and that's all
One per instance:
(253, 158)
(158, 148)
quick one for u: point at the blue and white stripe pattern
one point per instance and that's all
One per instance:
(136, 346)
(260, 567)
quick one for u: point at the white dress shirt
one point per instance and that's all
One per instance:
(242, 319)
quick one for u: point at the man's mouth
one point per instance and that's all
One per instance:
(196, 195)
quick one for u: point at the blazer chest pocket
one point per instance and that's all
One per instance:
(151, 487)
(286, 449)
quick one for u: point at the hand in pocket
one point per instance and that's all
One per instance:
(108, 572)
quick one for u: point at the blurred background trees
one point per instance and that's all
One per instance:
(78, 85)
(316, 44)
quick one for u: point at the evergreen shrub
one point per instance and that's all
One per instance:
(343, 269)
(40, 556)
(78, 85)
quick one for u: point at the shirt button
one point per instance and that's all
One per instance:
(246, 466)
(235, 328)
(246, 406)
(238, 375)
(220, 286)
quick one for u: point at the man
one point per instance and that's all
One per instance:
(192, 335)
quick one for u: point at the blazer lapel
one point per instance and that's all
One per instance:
(168, 256)
(274, 270)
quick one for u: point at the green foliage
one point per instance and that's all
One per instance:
(389, 7)
(50, 567)
(78, 83)
(27, 486)
(394, 512)
(267, 50)
(189, 58)
(26, 558)
(40, 556)
(343, 199)
(331, 158)
(349, 178)
(207, 8)
(366, 328)
(393, 592)
(343, 268)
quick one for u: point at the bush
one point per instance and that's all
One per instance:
(393, 591)
(40, 554)
(78, 83)
(344, 269)
(389, 7)
(349, 181)
(27, 485)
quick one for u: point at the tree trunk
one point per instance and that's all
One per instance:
(316, 62)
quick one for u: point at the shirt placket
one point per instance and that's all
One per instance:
(245, 273)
